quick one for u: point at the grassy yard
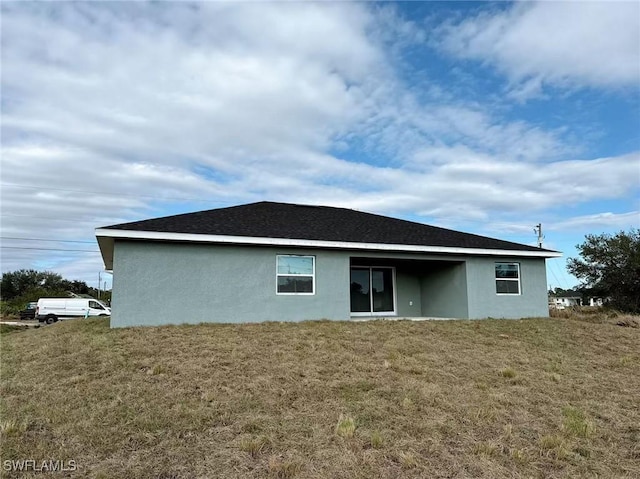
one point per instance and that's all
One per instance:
(495, 399)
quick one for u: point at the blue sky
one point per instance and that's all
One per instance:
(483, 117)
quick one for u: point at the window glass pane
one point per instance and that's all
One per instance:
(295, 284)
(382, 287)
(295, 265)
(360, 299)
(507, 286)
(506, 270)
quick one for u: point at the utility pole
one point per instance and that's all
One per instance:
(99, 283)
(538, 230)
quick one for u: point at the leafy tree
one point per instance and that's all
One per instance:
(609, 267)
(565, 293)
(19, 283)
(79, 287)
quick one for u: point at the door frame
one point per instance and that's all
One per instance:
(394, 293)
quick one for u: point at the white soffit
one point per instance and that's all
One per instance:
(251, 240)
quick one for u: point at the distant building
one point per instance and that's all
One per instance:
(565, 302)
(596, 302)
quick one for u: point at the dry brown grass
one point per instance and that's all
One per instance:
(594, 314)
(494, 399)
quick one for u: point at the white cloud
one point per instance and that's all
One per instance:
(595, 223)
(111, 113)
(600, 222)
(176, 92)
(558, 43)
(457, 182)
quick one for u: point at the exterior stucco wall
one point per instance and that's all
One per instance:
(164, 283)
(444, 291)
(483, 300)
(170, 283)
(407, 294)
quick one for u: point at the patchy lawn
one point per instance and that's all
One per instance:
(495, 399)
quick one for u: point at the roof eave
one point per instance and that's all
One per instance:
(107, 236)
(105, 243)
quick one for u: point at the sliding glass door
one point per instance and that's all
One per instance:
(372, 291)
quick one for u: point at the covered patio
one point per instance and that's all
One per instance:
(392, 287)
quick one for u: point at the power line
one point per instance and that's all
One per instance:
(52, 249)
(42, 239)
(554, 276)
(553, 267)
(562, 276)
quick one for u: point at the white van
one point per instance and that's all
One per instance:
(50, 310)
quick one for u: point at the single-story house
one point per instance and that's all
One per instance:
(271, 261)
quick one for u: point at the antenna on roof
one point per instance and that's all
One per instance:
(538, 231)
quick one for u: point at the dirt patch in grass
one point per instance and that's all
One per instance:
(494, 399)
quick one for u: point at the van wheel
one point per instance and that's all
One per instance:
(50, 319)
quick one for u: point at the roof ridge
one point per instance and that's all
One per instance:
(273, 219)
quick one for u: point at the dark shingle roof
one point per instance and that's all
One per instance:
(322, 223)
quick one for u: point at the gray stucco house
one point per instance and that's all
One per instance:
(285, 262)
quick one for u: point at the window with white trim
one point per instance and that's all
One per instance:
(507, 278)
(295, 274)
